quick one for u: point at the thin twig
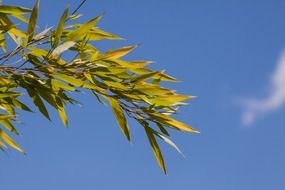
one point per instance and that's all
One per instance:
(78, 7)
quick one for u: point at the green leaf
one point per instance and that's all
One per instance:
(77, 82)
(20, 105)
(81, 32)
(38, 102)
(120, 116)
(118, 53)
(21, 18)
(10, 141)
(170, 122)
(13, 10)
(7, 124)
(144, 77)
(61, 111)
(57, 85)
(74, 16)
(155, 147)
(33, 21)
(60, 28)
(9, 94)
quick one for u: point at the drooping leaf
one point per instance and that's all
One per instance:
(38, 102)
(8, 125)
(155, 148)
(10, 141)
(120, 116)
(61, 111)
(168, 141)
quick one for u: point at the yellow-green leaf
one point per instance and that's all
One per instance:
(38, 102)
(9, 126)
(10, 141)
(170, 122)
(118, 53)
(13, 10)
(33, 21)
(81, 32)
(60, 28)
(120, 116)
(61, 111)
(155, 148)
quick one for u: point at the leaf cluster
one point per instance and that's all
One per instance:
(36, 67)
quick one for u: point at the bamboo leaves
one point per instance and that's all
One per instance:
(56, 63)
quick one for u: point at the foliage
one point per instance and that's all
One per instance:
(35, 67)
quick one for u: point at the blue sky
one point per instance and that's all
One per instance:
(228, 53)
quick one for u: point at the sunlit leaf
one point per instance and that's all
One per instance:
(81, 32)
(155, 148)
(13, 10)
(9, 141)
(120, 117)
(33, 21)
(60, 28)
(116, 54)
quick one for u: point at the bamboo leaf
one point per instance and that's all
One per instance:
(60, 28)
(168, 141)
(170, 122)
(116, 54)
(21, 18)
(33, 21)
(61, 111)
(155, 148)
(63, 47)
(120, 117)
(144, 77)
(13, 10)
(9, 126)
(57, 85)
(10, 141)
(38, 102)
(82, 31)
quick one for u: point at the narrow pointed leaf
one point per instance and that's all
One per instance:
(60, 28)
(120, 117)
(63, 47)
(33, 21)
(38, 102)
(13, 10)
(10, 141)
(170, 122)
(81, 32)
(155, 148)
(116, 54)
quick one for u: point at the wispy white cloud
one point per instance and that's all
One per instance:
(255, 108)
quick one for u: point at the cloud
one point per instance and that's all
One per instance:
(256, 108)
